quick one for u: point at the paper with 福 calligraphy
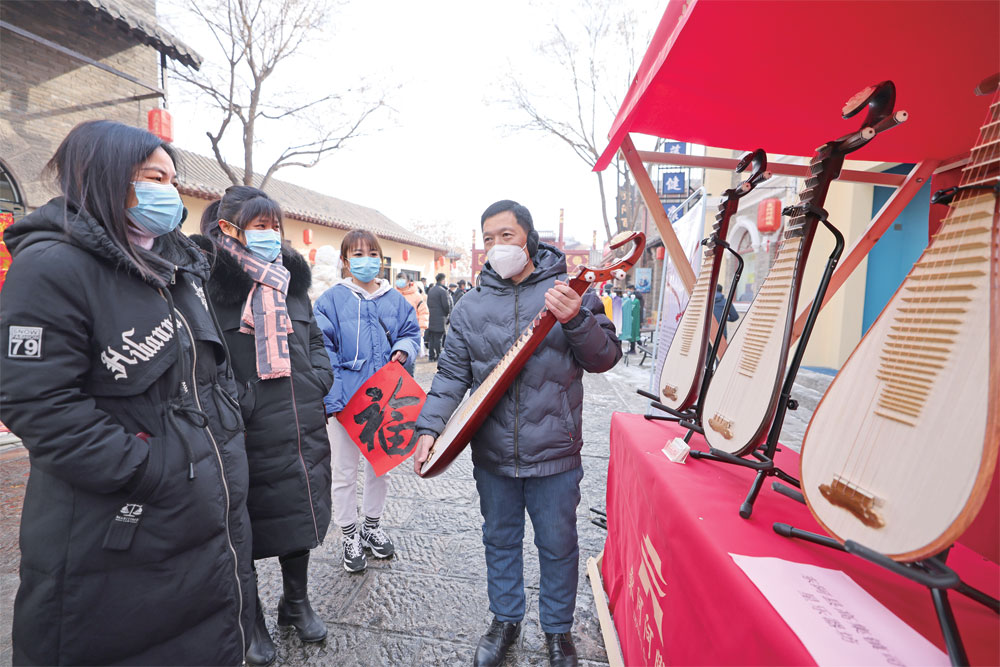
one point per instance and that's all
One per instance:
(837, 621)
(381, 417)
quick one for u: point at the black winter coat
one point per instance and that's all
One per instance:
(92, 356)
(536, 428)
(286, 441)
(438, 307)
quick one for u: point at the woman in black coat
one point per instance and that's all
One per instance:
(135, 541)
(258, 287)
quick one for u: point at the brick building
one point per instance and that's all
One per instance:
(69, 61)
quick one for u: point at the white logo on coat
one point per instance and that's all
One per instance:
(133, 351)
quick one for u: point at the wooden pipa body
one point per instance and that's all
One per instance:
(740, 404)
(684, 366)
(473, 411)
(901, 450)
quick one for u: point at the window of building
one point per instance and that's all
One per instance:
(10, 194)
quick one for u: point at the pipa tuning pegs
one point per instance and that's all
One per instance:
(758, 173)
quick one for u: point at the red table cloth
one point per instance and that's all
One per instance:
(676, 595)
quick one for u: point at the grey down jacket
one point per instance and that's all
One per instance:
(535, 429)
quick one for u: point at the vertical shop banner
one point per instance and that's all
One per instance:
(381, 416)
(643, 279)
(673, 296)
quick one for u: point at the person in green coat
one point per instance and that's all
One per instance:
(631, 319)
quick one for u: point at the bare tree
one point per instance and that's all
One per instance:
(254, 38)
(448, 235)
(596, 53)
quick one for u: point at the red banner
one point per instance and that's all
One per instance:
(381, 416)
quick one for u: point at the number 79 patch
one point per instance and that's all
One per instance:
(24, 343)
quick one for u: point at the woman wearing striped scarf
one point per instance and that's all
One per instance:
(259, 288)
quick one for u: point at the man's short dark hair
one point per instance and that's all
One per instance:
(521, 214)
(439, 277)
(461, 283)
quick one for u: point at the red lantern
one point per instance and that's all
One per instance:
(161, 124)
(769, 215)
(312, 255)
(406, 255)
(307, 236)
(661, 252)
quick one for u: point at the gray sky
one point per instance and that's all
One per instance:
(443, 153)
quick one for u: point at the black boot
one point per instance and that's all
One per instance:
(562, 652)
(293, 607)
(493, 646)
(261, 652)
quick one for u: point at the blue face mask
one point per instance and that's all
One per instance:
(264, 243)
(365, 268)
(159, 209)
(402, 282)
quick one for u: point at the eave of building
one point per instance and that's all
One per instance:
(210, 194)
(150, 34)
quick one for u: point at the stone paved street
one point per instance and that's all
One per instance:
(427, 605)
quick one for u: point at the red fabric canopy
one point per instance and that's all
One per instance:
(775, 74)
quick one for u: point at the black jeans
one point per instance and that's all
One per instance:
(434, 340)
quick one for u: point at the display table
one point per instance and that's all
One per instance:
(676, 595)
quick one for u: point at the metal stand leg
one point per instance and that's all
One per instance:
(778, 487)
(952, 640)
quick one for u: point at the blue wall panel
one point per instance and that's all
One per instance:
(893, 256)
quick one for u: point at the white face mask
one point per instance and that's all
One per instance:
(507, 260)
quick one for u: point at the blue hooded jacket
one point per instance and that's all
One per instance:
(361, 331)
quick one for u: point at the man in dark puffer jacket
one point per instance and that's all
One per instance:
(527, 453)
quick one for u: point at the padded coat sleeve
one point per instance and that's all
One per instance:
(328, 323)
(318, 357)
(452, 380)
(42, 399)
(592, 338)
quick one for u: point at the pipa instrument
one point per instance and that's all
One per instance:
(740, 403)
(473, 411)
(684, 366)
(901, 450)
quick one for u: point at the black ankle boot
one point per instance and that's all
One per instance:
(562, 651)
(261, 652)
(493, 646)
(293, 607)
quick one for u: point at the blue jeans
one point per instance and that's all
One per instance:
(551, 503)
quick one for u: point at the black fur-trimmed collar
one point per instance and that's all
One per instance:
(230, 285)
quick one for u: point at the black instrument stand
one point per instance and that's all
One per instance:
(691, 417)
(764, 465)
(931, 572)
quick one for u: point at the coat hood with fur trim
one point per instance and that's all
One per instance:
(231, 285)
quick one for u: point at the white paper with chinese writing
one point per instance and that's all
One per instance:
(838, 621)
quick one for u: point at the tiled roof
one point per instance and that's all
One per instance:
(146, 32)
(202, 177)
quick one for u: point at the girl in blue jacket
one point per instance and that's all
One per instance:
(365, 324)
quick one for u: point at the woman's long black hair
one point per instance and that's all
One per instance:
(95, 166)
